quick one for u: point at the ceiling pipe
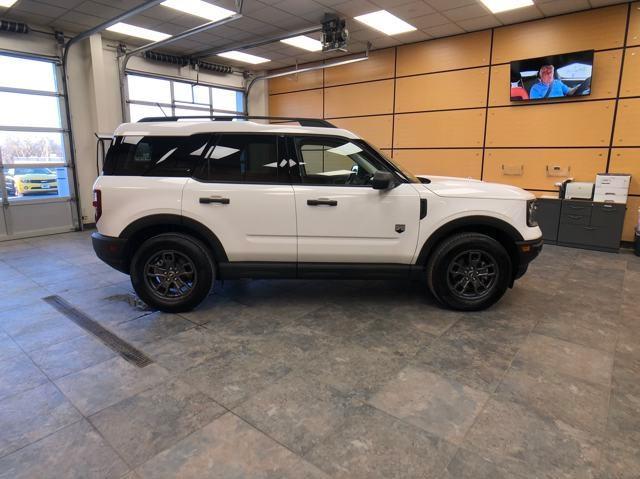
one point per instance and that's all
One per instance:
(362, 57)
(65, 55)
(243, 46)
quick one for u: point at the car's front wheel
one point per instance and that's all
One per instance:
(172, 272)
(469, 271)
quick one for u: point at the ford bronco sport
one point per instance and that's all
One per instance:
(182, 202)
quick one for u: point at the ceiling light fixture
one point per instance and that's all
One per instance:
(199, 9)
(7, 3)
(243, 57)
(304, 42)
(139, 32)
(499, 6)
(385, 22)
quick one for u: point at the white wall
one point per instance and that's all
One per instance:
(94, 94)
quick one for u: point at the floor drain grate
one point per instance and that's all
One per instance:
(110, 340)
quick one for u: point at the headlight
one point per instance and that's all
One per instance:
(532, 208)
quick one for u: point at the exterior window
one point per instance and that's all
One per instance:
(333, 161)
(155, 155)
(148, 96)
(250, 158)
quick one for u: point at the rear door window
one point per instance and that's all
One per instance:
(240, 158)
(156, 155)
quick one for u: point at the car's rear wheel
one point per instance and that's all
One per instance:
(172, 272)
(469, 271)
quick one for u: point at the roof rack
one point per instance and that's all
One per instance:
(310, 122)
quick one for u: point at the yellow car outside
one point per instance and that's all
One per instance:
(35, 181)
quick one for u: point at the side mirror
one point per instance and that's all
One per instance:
(382, 180)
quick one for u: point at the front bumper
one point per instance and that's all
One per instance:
(112, 251)
(527, 252)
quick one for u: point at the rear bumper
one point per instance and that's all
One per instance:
(527, 252)
(112, 251)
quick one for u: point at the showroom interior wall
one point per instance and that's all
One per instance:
(94, 94)
(442, 106)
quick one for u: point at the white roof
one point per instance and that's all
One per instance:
(187, 128)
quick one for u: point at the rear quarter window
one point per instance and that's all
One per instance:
(175, 156)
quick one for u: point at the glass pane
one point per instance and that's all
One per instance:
(28, 74)
(191, 112)
(26, 147)
(41, 182)
(29, 110)
(149, 89)
(182, 92)
(201, 94)
(137, 112)
(224, 99)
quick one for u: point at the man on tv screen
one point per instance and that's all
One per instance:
(548, 86)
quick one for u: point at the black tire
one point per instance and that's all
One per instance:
(469, 272)
(185, 263)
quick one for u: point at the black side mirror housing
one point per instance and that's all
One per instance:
(382, 180)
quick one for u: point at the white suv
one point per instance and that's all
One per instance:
(182, 203)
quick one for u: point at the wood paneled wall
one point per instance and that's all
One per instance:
(442, 106)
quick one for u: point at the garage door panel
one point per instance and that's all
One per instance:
(628, 123)
(534, 168)
(374, 129)
(464, 163)
(464, 51)
(627, 160)
(302, 104)
(606, 71)
(566, 124)
(441, 129)
(372, 98)
(597, 29)
(380, 65)
(440, 91)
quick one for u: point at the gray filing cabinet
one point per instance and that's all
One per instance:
(591, 225)
(548, 217)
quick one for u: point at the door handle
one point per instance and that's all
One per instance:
(322, 201)
(223, 201)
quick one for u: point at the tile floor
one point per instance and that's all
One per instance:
(316, 379)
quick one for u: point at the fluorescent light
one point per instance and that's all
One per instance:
(199, 9)
(243, 57)
(304, 42)
(385, 22)
(139, 32)
(7, 3)
(498, 6)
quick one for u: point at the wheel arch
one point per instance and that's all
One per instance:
(144, 228)
(498, 229)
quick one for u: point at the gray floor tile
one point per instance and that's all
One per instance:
(620, 461)
(232, 377)
(75, 452)
(151, 327)
(372, 444)
(583, 363)
(529, 445)
(8, 347)
(297, 411)
(46, 333)
(560, 397)
(141, 426)
(107, 383)
(32, 415)
(228, 448)
(467, 465)
(71, 356)
(220, 309)
(440, 406)
(18, 374)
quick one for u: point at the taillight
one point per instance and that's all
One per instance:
(97, 203)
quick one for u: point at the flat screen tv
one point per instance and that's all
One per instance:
(555, 76)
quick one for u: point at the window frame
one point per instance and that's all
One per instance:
(169, 108)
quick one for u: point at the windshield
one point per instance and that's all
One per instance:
(31, 171)
(407, 174)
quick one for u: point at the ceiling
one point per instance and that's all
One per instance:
(266, 18)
